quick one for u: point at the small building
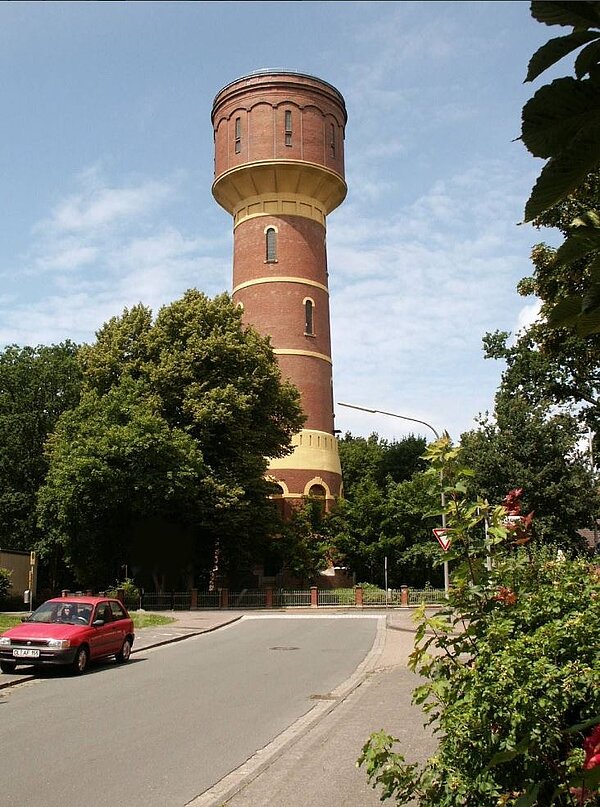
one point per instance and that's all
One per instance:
(23, 569)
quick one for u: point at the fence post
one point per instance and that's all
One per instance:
(314, 597)
(224, 597)
(268, 598)
(194, 599)
(403, 595)
(358, 596)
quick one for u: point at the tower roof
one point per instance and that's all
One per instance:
(264, 76)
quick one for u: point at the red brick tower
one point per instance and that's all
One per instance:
(279, 170)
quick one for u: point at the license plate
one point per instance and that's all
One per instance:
(25, 653)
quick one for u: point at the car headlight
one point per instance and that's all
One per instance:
(59, 644)
(4, 641)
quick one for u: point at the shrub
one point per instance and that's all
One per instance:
(511, 669)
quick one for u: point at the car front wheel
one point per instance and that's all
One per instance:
(125, 652)
(7, 666)
(80, 662)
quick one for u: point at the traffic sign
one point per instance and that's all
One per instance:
(443, 538)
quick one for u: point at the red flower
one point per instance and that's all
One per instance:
(506, 595)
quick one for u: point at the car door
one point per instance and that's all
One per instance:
(120, 623)
(102, 640)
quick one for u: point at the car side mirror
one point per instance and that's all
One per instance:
(97, 623)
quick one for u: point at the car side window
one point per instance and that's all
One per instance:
(103, 612)
(117, 610)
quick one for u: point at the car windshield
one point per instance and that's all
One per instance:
(69, 613)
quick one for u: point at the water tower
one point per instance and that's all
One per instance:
(279, 172)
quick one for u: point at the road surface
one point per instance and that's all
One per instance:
(162, 729)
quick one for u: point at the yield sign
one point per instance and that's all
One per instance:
(444, 539)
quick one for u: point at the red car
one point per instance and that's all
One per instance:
(70, 631)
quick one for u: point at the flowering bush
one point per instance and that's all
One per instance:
(511, 671)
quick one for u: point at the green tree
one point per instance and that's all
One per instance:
(381, 513)
(36, 386)
(525, 447)
(169, 446)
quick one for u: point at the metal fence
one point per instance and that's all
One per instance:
(282, 598)
(248, 598)
(209, 599)
(167, 601)
(429, 596)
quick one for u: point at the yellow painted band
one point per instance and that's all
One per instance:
(281, 279)
(313, 451)
(312, 354)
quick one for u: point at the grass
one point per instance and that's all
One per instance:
(140, 620)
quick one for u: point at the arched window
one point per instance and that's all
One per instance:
(288, 127)
(332, 135)
(308, 318)
(319, 494)
(271, 245)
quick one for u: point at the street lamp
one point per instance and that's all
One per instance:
(437, 437)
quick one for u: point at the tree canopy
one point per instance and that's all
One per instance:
(36, 386)
(380, 516)
(162, 463)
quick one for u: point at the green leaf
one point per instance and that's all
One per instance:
(562, 175)
(591, 299)
(593, 721)
(589, 323)
(554, 50)
(587, 60)
(529, 797)
(564, 12)
(580, 242)
(556, 113)
(566, 312)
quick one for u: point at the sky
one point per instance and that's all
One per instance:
(106, 167)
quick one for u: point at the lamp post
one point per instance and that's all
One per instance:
(437, 437)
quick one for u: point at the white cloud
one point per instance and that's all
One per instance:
(101, 249)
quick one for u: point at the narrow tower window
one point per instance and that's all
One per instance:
(332, 136)
(238, 135)
(308, 318)
(288, 127)
(271, 245)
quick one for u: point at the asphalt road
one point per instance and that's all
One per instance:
(162, 729)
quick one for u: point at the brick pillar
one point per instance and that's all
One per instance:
(194, 599)
(120, 595)
(65, 592)
(403, 595)
(358, 596)
(224, 597)
(268, 598)
(314, 597)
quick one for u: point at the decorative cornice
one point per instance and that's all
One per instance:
(296, 182)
